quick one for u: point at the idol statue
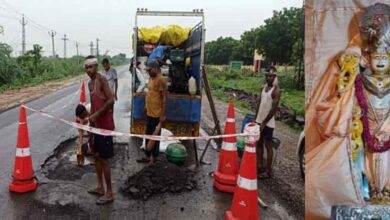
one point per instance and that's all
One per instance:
(348, 122)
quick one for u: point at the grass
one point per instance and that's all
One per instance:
(49, 70)
(250, 82)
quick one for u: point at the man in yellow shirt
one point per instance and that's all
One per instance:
(155, 102)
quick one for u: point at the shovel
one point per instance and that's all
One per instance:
(80, 156)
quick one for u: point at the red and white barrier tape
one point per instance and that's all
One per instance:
(105, 132)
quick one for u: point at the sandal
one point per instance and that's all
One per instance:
(104, 200)
(143, 160)
(95, 192)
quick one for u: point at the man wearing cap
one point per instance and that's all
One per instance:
(155, 105)
(101, 116)
(268, 105)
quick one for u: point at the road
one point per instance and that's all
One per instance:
(61, 192)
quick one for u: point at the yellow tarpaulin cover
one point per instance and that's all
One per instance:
(172, 35)
(151, 35)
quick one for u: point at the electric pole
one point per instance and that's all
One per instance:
(77, 52)
(97, 47)
(64, 39)
(91, 45)
(23, 22)
(77, 48)
(52, 34)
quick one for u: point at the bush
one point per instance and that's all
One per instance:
(32, 68)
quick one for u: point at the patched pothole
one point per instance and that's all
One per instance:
(161, 177)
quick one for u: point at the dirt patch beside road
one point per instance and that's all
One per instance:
(13, 97)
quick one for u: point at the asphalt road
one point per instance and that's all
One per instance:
(62, 189)
(45, 134)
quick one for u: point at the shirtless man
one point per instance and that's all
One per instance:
(101, 116)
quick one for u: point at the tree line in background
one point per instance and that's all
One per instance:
(33, 68)
(279, 40)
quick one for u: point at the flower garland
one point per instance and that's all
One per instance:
(368, 138)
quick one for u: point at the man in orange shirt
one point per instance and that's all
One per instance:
(155, 107)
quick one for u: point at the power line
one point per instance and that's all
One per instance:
(11, 7)
(8, 17)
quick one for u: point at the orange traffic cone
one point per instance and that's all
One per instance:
(225, 178)
(83, 99)
(245, 195)
(23, 176)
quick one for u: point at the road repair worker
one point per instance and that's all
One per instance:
(155, 102)
(82, 115)
(159, 53)
(268, 105)
(111, 76)
(101, 116)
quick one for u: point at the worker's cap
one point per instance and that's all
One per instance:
(152, 63)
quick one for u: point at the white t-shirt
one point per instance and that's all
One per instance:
(111, 76)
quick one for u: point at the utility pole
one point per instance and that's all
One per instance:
(77, 48)
(52, 34)
(23, 22)
(97, 47)
(91, 45)
(77, 52)
(64, 39)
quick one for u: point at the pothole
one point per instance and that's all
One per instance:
(62, 165)
(161, 177)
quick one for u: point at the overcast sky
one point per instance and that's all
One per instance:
(112, 20)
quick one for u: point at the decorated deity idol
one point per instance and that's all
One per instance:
(348, 122)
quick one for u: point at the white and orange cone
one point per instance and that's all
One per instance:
(244, 206)
(83, 99)
(23, 176)
(225, 177)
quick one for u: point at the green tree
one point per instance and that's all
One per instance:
(247, 45)
(31, 61)
(220, 51)
(9, 69)
(277, 37)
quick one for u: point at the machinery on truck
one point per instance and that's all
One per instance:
(186, 55)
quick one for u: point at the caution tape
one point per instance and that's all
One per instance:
(105, 132)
